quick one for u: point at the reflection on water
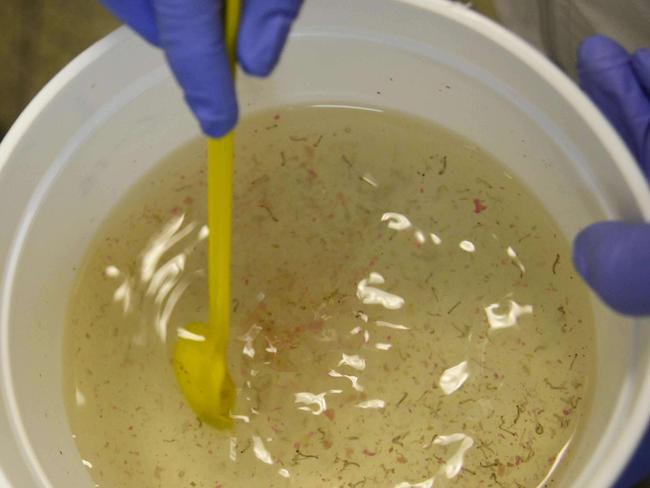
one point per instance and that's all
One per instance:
(385, 330)
(500, 321)
(453, 378)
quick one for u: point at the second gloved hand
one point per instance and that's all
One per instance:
(614, 257)
(191, 34)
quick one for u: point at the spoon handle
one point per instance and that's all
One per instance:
(220, 172)
(220, 176)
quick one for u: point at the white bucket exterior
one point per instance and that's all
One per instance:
(115, 111)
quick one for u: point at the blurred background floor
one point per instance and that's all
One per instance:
(38, 38)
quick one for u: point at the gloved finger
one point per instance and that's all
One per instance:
(264, 29)
(641, 66)
(614, 259)
(137, 14)
(191, 33)
(606, 74)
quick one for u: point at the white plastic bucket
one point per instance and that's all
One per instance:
(118, 103)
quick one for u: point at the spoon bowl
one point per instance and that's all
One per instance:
(202, 374)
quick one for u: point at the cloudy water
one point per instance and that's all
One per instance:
(404, 313)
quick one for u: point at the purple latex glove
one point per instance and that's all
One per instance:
(191, 34)
(614, 257)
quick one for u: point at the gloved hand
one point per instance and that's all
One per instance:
(191, 34)
(614, 257)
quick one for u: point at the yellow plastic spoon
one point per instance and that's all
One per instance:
(200, 357)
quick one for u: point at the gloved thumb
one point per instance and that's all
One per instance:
(613, 258)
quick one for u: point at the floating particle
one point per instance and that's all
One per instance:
(478, 206)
